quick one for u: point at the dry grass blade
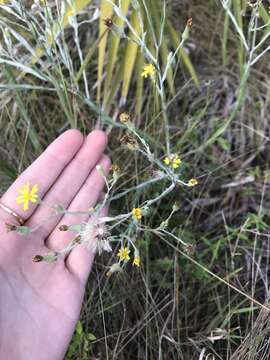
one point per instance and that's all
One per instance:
(114, 42)
(130, 56)
(139, 84)
(106, 11)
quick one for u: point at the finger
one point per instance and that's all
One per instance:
(80, 260)
(101, 196)
(43, 172)
(86, 198)
(70, 182)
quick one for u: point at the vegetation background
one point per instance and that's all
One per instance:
(209, 299)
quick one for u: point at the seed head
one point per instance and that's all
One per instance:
(95, 236)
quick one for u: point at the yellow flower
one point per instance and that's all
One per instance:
(27, 195)
(176, 162)
(192, 182)
(173, 160)
(137, 213)
(123, 253)
(148, 70)
(136, 261)
(167, 161)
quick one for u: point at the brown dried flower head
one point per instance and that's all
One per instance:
(190, 249)
(115, 168)
(130, 141)
(109, 23)
(124, 118)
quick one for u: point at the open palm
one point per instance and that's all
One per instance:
(40, 302)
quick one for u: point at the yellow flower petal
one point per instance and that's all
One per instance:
(136, 261)
(26, 205)
(19, 199)
(34, 189)
(166, 161)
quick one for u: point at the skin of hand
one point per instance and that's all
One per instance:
(40, 302)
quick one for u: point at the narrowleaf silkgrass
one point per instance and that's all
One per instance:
(201, 289)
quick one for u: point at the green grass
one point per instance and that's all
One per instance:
(185, 302)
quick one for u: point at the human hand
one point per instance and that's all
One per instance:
(40, 302)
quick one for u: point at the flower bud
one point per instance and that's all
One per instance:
(77, 240)
(37, 258)
(100, 170)
(114, 269)
(10, 227)
(176, 207)
(63, 227)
